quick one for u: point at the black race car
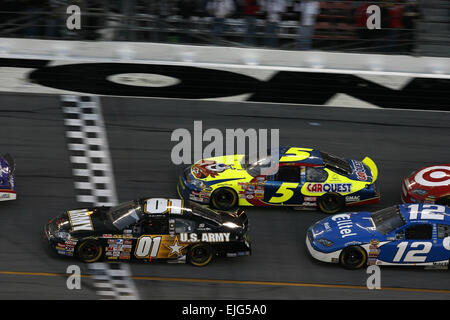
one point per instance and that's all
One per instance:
(148, 229)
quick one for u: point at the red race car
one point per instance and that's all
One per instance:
(428, 185)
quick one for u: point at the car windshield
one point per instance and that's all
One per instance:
(259, 167)
(125, 214)
(203, 212)
(336, 163)
(388, 219)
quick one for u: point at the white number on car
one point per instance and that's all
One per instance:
(429, 211)
(147, 246)
(411, 255)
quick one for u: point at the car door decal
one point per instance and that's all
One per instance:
(285, 192)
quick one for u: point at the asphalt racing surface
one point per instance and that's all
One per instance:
(139, 132)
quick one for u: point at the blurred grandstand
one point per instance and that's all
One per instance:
(419, 27)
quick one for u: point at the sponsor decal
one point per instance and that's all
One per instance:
(435, 176)
(329, 187)
(344, 224)
(80, 220)
(175, 248)
(206, 168)
(251, 190)
(352, 198)
(205, 237)
(360, 170)
(374, 251)
(67, 248)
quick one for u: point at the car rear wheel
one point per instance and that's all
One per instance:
(444, 201)
(89, 251)
(200, 254)
(353, 257)
(224, 199)
(331, 203)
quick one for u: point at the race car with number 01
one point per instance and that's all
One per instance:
(7, 179)
(428, 185)
(300, 177)
(149, 229)
(407, 234)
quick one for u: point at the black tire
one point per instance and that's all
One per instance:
(353, 257)
(200, 254)
(331, 203)
(224, 199)
(89, 251)
(444, 201)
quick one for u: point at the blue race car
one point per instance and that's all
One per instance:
(407, 234)
(7, 179)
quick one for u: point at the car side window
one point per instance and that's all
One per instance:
(443, 231)
(155, 225)
(288, 174)
(316, 174)
(419, 232)
(184, 225)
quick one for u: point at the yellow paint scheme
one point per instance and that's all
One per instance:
(285, 192)
(296, 154)
(235, 172)
(372, 166)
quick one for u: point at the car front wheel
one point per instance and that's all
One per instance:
(89, 251)
(353, 257)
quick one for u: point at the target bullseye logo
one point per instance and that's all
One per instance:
(434, 176)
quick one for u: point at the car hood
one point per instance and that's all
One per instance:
(84, 220)
(218, 169)
(344, 228)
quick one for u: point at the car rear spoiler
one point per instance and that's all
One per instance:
(8, 158)
(372, 166)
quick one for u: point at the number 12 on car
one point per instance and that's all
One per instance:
(416, 255)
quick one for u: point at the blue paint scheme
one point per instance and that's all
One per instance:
(362, 231)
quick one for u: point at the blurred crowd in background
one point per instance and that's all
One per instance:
(285, 24)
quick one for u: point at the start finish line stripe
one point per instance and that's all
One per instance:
(89, 153)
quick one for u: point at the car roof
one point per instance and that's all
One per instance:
(312, 156)
(423, 212)
(178, 208)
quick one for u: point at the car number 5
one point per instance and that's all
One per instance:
(285, 191)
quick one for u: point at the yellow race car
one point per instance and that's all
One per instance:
(299, 177)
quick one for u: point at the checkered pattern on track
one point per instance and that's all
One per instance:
(89, 152)
(113, 281)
